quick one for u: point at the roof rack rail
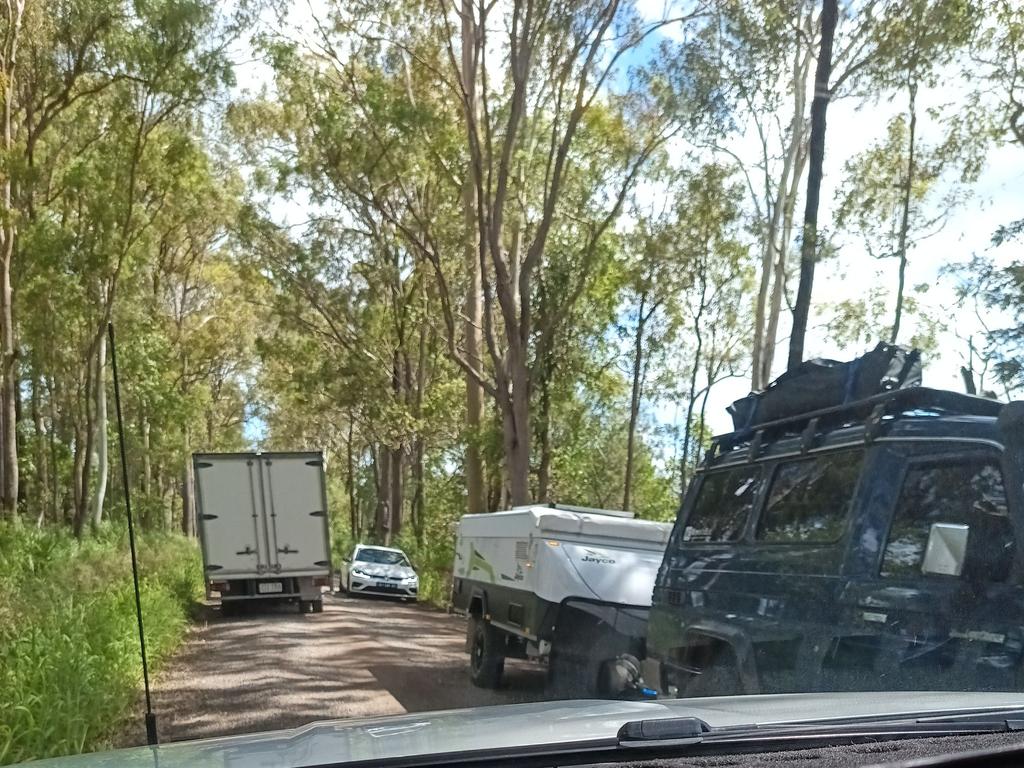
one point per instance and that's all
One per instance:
(871, 408)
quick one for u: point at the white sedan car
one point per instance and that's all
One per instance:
(379, 571)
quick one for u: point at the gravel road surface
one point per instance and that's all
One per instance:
(279, 669)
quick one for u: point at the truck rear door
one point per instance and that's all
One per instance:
(231, 527)
(296, 506)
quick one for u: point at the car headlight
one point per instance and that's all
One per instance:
(410, 580)
(357, 572)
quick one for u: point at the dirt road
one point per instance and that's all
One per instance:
(360, 657)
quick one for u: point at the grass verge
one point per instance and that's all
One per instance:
(69, 652)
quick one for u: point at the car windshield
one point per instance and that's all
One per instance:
(373, 358)
(380, 557)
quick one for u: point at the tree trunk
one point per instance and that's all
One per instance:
(396, 500)
(188, 512)
(779, 283)
(634, 401)
(166, 499)
(773, 259)
(417, 508)
(544, 435)
(102, 452)
(809, 245)
(42, 482)
(702, 419)
(8, 404)
(757, 351)
(78, 480)
(684, 464)
(968, 376)
(55, 487)
(476, 501)
(147, 458)
(382, 462)
(502, 480)
(350, 481)
(908, 185)
(84, 433)
(789, 188)
(516, 420)
(8, 233)
(761, 361)
(396, 504)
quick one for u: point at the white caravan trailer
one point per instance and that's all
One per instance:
(570, 585)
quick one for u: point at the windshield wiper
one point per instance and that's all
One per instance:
(694, 732)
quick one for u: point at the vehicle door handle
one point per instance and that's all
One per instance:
(247, 551)
(287, 550)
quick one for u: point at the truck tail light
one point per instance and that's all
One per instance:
(322, 581)
(220, 586)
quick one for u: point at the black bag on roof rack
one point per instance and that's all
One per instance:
(817, 384)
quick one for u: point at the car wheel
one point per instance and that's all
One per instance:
(318, 606)
(486, 662)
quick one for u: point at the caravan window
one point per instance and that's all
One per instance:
(724, 502)
(810, 498)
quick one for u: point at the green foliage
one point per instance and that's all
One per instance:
(871, 203)
(69, 655)
(858, 322)
(1000, 288)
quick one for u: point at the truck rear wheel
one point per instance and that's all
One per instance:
(486, 662)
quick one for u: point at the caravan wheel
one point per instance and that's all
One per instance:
(486, 661)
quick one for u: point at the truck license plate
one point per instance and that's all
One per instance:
(269, 586)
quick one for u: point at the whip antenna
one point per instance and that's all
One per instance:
(151, 735)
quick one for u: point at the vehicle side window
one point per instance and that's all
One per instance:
(810, 498)
(723, 504)
(967, 493)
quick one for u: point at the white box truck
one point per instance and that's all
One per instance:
(263, 526)
(569, 585)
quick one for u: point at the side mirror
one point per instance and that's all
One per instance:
(946, 550)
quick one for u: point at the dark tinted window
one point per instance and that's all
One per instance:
(380, 557)
(810, 498)
(723, 504)
(964, 493)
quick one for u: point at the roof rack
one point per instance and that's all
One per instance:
(869, 411)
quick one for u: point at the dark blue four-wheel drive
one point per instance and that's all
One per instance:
(873, 543)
